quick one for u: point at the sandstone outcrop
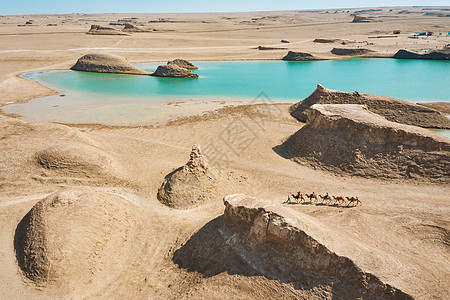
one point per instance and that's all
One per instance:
(131, 28)
(183, 64)
(188, 185)
(106, 63)
(443, 107)
(255, 239)
(75, 239)
(325, 41)
(392, 109)
(173, 70)
(349, 138)
(104, 30)
(299, 56)
(441, 54)
(350, 51)
(269, 48)
(363, 19)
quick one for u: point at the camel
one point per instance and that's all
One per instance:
(298, 197)
(339, 199)
(326, 197)
(312, 196)
(353, 200)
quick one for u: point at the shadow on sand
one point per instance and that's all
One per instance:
(223, 247)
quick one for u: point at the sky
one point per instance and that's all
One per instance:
(8, 7)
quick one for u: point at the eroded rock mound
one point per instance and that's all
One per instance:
(188, 185)
(349, 138)
(363, 19)
(76, 159)
(350, 51)
(183, 64)
(392, 109)
(441, 54)
(251, 240)
(443, 107)
(106, 63)
(131, 28)
(76, 239)
(269, 48)
(325, 41)
(104, 30)
(299, 56)
(173, 70)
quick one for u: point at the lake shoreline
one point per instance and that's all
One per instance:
(210, 89)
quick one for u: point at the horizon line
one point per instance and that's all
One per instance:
(218, 12)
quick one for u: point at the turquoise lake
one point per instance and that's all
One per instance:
(140, 100)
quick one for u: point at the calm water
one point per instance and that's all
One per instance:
(137, 100)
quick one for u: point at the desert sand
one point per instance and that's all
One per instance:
(79, 207)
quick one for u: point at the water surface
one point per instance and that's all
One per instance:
(139, 100)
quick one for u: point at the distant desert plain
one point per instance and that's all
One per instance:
(89, 211)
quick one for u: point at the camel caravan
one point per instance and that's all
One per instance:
(326, 199)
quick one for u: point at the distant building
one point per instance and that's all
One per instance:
(416, 34)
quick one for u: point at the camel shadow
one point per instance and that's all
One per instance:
(336, 205)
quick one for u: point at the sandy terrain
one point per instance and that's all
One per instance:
(400, 233)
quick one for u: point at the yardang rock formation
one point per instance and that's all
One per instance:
(173, 70)
(441, 54)
(349, 138)
(299, 56)
(350, 51)
(252, 239)
(392, 109)
(188, 185)
(106, 63)
(183, 64)
(104, 30)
